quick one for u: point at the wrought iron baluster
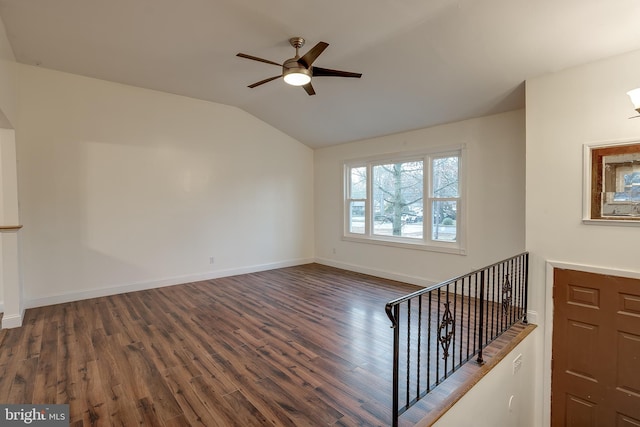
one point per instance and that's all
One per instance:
(419, 345)
(491, 327)
(446, 331)
(429, 343)
(498, 302)
(523, 281)
(468, 314)
(480, 360)
(503, 319)
(522, 287)
(512, 301)
(460, 321)
(438, 344)
(515, 280)
(516, 292)
(476, 303)
(507, 294)
(526, 286)
(454, 314)
(517, 303)
(408, 384)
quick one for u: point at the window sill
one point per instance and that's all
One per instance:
(617, 222)
(449, 248)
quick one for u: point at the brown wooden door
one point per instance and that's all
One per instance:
(596, 350)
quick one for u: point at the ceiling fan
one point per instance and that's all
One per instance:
(298, 71)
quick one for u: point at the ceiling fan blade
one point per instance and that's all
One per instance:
(255, 58)
(309, 89)
(325, 72)
(261, 82)
(308, 58)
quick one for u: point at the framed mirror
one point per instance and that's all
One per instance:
(612, 183)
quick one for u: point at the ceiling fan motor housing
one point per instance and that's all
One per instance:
(292, 66)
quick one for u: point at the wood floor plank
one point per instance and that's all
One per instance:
(149, 382)
(7, 377)
(244, 413)
(195, 411)
(24, 381)
(121, 407)
(45, 388)
(92, 396)
(202, 365)
(179, 421)
(300, 346)
(148, 413)
(219, 410)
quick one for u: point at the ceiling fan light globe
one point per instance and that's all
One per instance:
(297, 77)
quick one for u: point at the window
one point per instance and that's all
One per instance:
(445, 195)
(409, 200)
(357, 198)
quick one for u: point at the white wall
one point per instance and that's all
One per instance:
(7, 59)
(10, 280)
(565, 110)
(495, 188)
(124, 188)
(9, 275)
(502, 398)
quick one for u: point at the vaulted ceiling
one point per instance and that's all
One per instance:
(424, 62)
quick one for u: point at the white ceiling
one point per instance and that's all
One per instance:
(424, 62)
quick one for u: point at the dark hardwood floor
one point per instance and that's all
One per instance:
(300, 346)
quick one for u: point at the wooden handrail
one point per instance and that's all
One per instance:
(10, 227)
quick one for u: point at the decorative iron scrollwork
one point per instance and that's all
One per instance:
(446, 330)
(507, 291)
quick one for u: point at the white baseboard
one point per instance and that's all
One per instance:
(12, 320)
(405, 278)
(169, 281)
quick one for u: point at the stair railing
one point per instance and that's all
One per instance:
(438, 329)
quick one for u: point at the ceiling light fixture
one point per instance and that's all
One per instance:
(293, 72)
(297, 76)
(635, 99)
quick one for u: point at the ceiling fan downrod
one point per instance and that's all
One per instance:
(297, 43)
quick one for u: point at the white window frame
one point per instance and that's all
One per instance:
(426, 243)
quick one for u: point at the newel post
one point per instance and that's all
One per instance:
(393, 312)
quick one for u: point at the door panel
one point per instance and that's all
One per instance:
(580, 413)
(624, 421)
(596, 350)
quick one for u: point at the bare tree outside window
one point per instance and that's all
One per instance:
(397, 199)
(445, 194)
(357, 199)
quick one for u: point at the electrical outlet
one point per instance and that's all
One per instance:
(212, 260)
(517, 364)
